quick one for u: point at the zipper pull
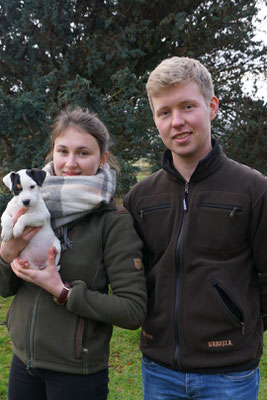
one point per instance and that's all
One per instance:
(232, 213)
(242, 328)
(141, 213)
(186, 189)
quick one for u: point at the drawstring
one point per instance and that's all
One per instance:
(66, 243)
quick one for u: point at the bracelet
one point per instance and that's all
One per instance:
(62, 298)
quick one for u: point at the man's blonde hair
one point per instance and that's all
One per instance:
(183, 70)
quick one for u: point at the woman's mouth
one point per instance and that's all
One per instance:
(71, 173)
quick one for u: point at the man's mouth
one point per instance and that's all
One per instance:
(180, 136)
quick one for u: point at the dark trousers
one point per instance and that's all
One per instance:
(43, 384)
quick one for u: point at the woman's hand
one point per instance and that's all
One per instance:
(47, 278)
(10, 250)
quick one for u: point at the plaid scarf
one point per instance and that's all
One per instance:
(70, 198)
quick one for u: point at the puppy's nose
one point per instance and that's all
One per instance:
(26, 202)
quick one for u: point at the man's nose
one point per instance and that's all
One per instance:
(177, 118)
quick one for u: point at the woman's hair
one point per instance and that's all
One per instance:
(87, 122)
(175, 70)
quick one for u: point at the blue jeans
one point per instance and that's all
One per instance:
(161, 383)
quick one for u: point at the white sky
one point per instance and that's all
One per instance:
(261, 34)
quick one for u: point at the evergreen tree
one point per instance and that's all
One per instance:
(98, 54)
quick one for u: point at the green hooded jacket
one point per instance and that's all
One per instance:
(74, 338)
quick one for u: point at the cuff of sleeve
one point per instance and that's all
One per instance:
(3, 261)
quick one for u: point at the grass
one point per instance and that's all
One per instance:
(5, 349)
(125, 366)
(125, 362)
(145, 169)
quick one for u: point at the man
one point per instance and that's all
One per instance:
(202, 218)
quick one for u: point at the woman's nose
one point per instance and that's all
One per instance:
(71, 160)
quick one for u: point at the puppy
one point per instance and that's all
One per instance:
(25, 186)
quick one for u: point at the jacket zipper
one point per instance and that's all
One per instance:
(226, 298)
(232, 209)
(32, 325)
(153, 208)
(177, 281)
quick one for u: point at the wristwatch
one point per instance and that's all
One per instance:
(62, 298)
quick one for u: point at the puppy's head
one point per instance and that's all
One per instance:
(24, 184)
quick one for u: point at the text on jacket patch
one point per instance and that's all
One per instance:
(220, 343)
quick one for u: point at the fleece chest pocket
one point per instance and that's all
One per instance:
(220, 221)
(155, 219)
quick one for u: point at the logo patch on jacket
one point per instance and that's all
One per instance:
(138, 263)
(220, 343)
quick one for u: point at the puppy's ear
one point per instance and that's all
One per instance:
(8, 181)
(38, 175)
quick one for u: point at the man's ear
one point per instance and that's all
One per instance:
(214, 107)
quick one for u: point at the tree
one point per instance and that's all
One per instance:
(247, 137)
(98, 54)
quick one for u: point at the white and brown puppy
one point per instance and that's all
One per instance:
(25, 186)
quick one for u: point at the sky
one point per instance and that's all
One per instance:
(261, 34)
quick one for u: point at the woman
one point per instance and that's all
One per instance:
(60, 323)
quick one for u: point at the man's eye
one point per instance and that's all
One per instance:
(189, 106)
(164, 113)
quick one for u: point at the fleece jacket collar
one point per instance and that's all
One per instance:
(207, 166)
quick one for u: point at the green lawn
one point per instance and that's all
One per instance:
(125, 363)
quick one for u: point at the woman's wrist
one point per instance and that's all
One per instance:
(5, 258)
(63, 296)
(6, 262)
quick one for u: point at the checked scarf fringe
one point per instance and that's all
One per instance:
(70, 198)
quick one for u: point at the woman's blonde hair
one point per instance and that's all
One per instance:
(87, 122)
(175, 70)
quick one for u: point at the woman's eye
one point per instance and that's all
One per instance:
(84, 153)
(62, 151)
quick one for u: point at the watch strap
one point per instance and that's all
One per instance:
(62, 298)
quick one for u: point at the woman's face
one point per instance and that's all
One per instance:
(77, 153)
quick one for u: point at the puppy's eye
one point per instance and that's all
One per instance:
(32, 186)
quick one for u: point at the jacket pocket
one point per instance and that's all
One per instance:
(230, 305)
(154, 214)
(232, 209)
(79, 338)
(220, 221)
(146, 210)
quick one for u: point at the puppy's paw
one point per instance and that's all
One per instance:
(17, 230)
(58, 267)
(6, 234)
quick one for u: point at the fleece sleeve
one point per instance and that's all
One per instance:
(126, 306)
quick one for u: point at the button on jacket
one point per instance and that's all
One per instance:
(205, 261)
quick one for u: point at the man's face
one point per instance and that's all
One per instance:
(183, 120)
